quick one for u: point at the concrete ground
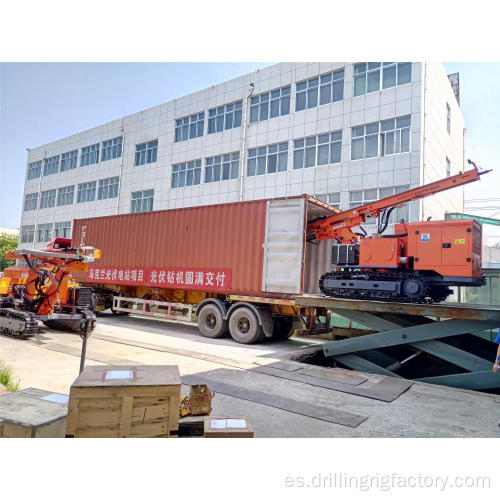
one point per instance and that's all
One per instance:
(50, 361)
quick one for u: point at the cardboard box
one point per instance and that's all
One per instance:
(201, 399)
(33, 413)
(125, 401)
(228, 427)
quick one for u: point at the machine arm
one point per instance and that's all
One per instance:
(339, 226)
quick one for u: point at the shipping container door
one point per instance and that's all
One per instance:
(284, 246)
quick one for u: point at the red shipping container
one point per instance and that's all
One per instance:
(252, 248)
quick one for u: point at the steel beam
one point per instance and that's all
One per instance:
(400, 336)
(474, 380)
(363, 365)
(453, 355)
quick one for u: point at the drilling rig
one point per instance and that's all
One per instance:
(418, 263)
(42, 291)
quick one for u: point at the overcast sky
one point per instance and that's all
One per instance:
(40, 103)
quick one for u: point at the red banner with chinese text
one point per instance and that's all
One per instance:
(180, 278)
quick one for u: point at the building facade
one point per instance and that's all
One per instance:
(347, 133)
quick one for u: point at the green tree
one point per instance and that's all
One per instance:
(7, 244)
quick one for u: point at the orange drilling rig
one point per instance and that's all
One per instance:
(42, 290)
(418, 263)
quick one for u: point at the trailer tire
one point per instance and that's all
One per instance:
(244, 326)
(211, 323)
(283, 327)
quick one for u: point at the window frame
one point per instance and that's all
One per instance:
(265, 100)
(46, 197)
(28, 203)
(63, 227)
(112, 146)
(88, 154)
(34, 170)
(279, 150)
(185, 125)
(313, 142)
(146, 152)
(314, 85)
(229, 162)
(63, 195)
(48, 228)
(69, 162)
(29, 232)
(51, 165)
(105, 186)
(141, 201)
(184, 170)
(86, 192)
(220, 114)
(381, 68)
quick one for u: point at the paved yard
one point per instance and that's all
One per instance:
(50, 361)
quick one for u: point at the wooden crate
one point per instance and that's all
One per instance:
(125, 401)
(227, 427)
(33, 413)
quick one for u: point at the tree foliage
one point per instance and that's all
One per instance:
(8, 243)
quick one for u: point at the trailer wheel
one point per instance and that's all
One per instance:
(283, 327)
(244, 326)
(211, 323)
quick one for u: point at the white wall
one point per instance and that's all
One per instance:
(159, 123)
(439, 144)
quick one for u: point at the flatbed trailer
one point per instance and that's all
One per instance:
(447, 344)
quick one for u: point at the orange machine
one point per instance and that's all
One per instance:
(42, 290)
(418, 263)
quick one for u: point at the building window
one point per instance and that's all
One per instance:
(332, 199)
(364, 141)
(90, 155)
(146, 152)
(224, 117)
(30, 202)
(189, 127)
(62, 229)
(44, 232)
(222, 168)
(270, 104)
(68, 160)
(320, 90)
(395, 135)
(448, 118)
(28, 233)
(448, 167)
(142, 201)
(65, 195)
(394, 138)
(112, 148)
(86, 192)
(186, 174)
(373, 76)
(108, 188)
(51, 165)
(48, 198)
(320, 149)
(358, 198)
(34, 170)
(267, 159)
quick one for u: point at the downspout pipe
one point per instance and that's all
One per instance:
(244, 141)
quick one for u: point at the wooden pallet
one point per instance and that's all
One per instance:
(125, 401)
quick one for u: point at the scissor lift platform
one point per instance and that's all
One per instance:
(421, 327)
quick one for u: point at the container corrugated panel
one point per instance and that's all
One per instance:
(226, 236)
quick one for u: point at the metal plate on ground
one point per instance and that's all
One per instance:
(386, 390)
(335, 374)
(275, 401)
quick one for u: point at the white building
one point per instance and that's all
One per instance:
(345, 132)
